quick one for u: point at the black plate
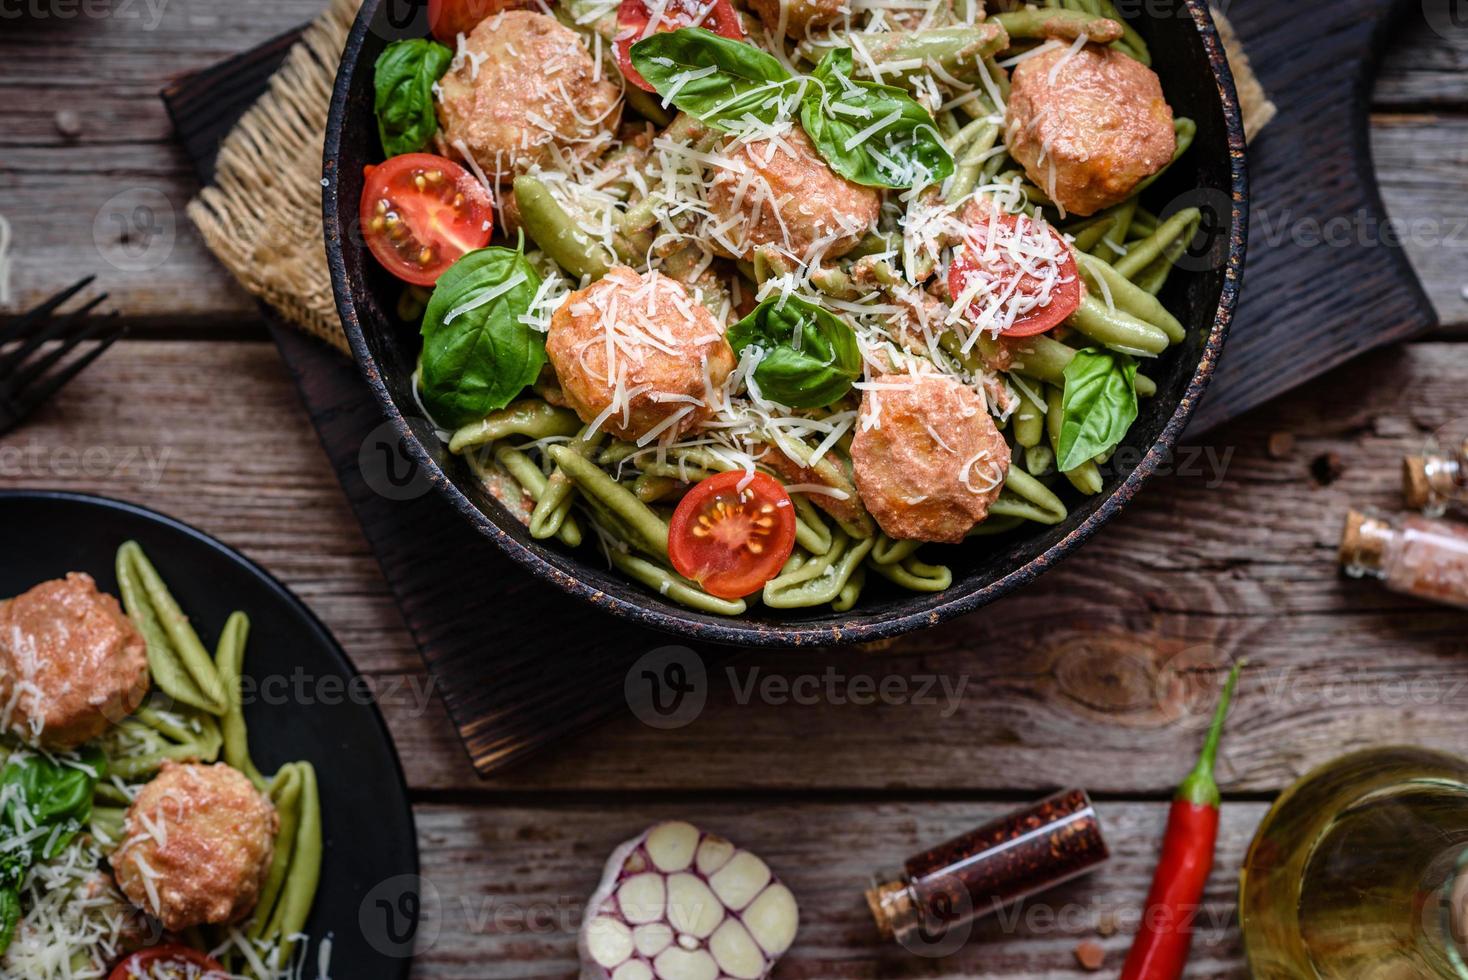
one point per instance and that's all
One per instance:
(371, 845)
(1189, 58)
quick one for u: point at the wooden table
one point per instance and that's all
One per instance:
(1095, 677)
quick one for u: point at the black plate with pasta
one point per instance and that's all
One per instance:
(183, 744)
(647, 305)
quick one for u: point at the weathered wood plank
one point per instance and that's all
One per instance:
(1097, 675)
(1427, 62)
(511, 885)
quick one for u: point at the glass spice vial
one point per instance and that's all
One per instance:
(980, 872)
(1435, 479)
(1411, 554)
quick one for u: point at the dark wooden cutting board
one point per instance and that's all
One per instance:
(520, 665)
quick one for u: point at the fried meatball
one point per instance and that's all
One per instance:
(525, 87)
(780, 192)
(929, 461)
(71, 663)
(197, 845)
(643, 344)
(800, 15)
(1090, 130)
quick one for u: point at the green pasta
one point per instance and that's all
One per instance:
(230, 661)
(668, 583)
(554, 506)
(646, 530)
(138, 746)
(532, 418)
(915, 575)
(180, 665)
(1128, 297)
(524, 472)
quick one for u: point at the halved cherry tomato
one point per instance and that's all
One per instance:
(973, 260)
(633, 16)
(170, 961)
(732, 541)
(421, 212)
(447, 19)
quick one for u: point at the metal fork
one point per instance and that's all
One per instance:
(25, 383)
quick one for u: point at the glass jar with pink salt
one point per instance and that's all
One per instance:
(1410, 554)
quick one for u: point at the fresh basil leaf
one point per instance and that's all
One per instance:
(1098, 407)
(9, 915)
(47, 794)
(405, 74)
(841, 117)
(477, 354)
(811, 356)
(745, 82)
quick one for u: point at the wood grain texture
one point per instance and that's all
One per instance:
(511, 883)
(1317, 252)
(52, 188)
(1094, 676)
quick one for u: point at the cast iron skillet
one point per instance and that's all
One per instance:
(1190, 60)
(301, 706)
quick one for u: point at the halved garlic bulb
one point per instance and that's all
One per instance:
(676, 903)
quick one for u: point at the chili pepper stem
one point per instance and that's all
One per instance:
(1200, 788)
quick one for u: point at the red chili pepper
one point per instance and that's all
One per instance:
(1160, 950)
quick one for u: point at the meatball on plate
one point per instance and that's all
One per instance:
(792, 322)
(141, 837)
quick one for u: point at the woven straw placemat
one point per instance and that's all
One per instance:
(262, 215)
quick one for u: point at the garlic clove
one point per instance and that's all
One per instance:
(713, 854)
(633, 970)
(608, 940)
(676, 903)
(737, 953)
(675, 963)
(693, 908)
(739, 881)
(671, 845)
(652, 939)
(642, 898)
(772, 919)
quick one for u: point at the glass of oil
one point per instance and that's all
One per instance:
(1360, 872)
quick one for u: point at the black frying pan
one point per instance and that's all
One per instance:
(1190, 60)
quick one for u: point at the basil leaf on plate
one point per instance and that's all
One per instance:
(744, 81)
(875, 135)
(1098, 406)
(477, 354)
(811, 356)
(404, 77)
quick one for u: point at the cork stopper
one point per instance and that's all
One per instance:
(1415, 486)
(892, 907)
(1363, 544)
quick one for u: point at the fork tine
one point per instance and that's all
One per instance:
(30, 372)
(52, 331)
(22, 325)
(53, 384)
